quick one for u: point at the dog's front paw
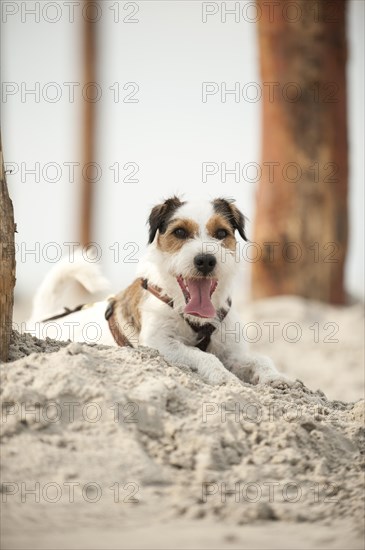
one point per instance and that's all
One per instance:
(275, 380)
(215, 373)
(220, 376)
(260, 369)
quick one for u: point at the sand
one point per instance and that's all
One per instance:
(116, 448)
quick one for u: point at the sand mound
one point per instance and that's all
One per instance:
(320, 344)
(109, 438)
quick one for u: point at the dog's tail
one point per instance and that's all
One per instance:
(68, 284)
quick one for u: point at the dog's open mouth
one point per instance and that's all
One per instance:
(197, 294)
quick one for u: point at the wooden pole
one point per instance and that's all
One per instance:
(89, 119)
(304, 125)
(7, 263)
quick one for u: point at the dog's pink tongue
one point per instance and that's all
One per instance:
(200, 303)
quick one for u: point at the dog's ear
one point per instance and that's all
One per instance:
(232, 214)
(160, 216)
(239, 221)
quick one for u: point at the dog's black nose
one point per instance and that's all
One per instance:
(205, 263)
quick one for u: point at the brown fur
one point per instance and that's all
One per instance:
(218, 221)
(226, 208)
(127, 308)
(168, 242)
(160, 216)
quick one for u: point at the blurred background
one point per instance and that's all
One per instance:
(146, 123)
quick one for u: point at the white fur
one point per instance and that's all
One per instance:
(164, 328)
(54, 292)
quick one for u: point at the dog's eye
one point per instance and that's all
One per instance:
(180, 233)
(221, 234)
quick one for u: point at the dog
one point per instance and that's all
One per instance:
(180, 302)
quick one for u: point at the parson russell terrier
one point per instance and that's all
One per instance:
(180, 304)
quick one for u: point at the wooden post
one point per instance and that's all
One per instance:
(302, 198)
(89, 118)
(7, 263)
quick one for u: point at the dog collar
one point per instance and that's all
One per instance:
(119, 337)
(157, 291)
(204, 332)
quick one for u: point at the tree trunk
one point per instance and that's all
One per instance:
(301, 208)
(89, 123)
(7, 263)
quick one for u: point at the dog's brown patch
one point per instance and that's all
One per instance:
(218, 221)
(128, 314)
(168, 242)
(226, 208)
(160, 216)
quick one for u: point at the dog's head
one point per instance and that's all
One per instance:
(195, 245)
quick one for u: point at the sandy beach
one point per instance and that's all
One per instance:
(116, 448)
